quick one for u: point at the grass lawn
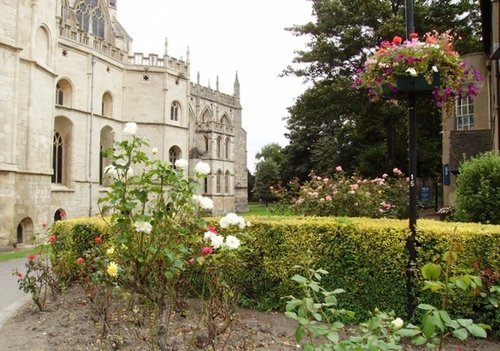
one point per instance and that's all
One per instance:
(17, 253)
(259, 209)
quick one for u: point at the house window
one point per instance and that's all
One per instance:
(57, 159)
(175, 111)
(464, 112)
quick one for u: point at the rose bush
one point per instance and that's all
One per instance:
(343, 195)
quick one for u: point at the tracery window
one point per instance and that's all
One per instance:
(90, 17)
(226, 149)
(175, 111)
(59, 95)
(218, 182)
(226, 182)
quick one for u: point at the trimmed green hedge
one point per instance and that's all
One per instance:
(366, 257)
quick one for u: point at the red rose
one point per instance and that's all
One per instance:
(397, 40)
(98, 239)
(80, 261)
(31, 258)
(19, 274)
(52, 239)
(413, 35)
(207, 250)
(212, 229)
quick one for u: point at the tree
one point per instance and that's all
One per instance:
(266, 176)
(332, 123)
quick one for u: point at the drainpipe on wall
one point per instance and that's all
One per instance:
(91, 131)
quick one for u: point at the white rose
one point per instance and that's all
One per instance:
(143, 227)
(216, 241)
(130, 128)
(397, 323)
(181, 163)
(206, 203)
(232, 242)
(208, 235)
(154, 150)
(202, 168)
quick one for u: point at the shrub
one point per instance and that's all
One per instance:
(344, 195)
(478, 190)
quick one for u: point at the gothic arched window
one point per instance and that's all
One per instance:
(57, 158)
(90, 17)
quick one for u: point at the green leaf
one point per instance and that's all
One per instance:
(426, 307)
(462, 283)
(445, 317)
(309, 302)
(338, 291)
(314, 286)
(299, 333)
(332, 300)
(418, 340)
(437, 320)
(465, 322)
(317, 316)
(291, 315)
(408, 332)
(333, 336)
(431, 271)
(299, 279)
(477, 331)
(428, 327)
(460, 334)
(308, 347)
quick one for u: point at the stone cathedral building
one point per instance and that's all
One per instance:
(68, 84)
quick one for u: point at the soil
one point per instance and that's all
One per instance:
(68, 324)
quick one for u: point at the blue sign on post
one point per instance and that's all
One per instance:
(446, 175)
(425, 194)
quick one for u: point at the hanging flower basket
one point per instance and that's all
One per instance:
(414, 66)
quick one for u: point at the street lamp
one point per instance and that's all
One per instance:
(412, 150)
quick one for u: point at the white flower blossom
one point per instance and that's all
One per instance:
(204, 202)
(412, 71)
(143, 227)
(130, 128)
(217, 241)
(209, 235)
(154, 150)
(111, 171)
(232, 242)
(232, 219)
(434, 69)
(181, 163)
(397, 323)
(202, 168)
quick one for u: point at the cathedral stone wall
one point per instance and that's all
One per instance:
(66, 91)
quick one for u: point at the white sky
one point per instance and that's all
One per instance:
(225, 36)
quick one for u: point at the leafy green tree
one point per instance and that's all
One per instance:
(266, 176)
(332, 123)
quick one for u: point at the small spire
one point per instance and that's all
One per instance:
(187, 55)
(217, 83)
(209, 84)
(165, 53)
(198, 78)
(236, 86)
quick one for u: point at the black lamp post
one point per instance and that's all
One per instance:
(412, 150)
